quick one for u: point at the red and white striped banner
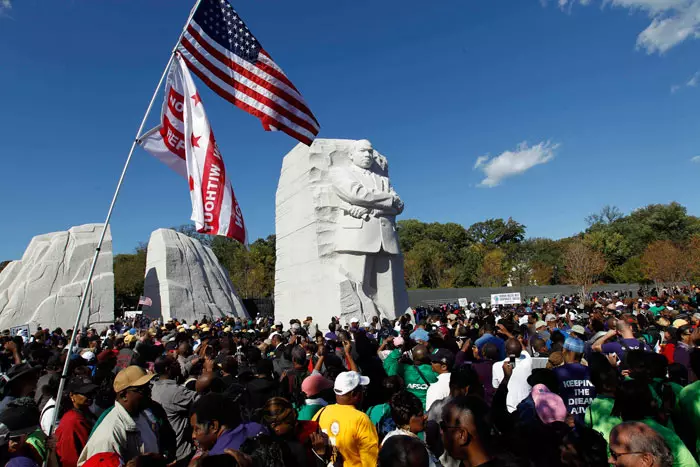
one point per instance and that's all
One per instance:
(185, 142)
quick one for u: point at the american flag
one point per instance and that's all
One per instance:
(145, 301)
(219, 48)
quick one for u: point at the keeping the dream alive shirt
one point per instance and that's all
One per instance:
(575, 388)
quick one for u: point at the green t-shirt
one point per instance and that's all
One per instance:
(689, 402)
(417, 378)
(682, 457)
(376, 412)
(307, 412)
(598, 416)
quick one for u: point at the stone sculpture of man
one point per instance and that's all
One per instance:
(366, 240)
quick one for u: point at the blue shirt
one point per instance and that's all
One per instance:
(498, 342)
(232, 439)
(575, 388)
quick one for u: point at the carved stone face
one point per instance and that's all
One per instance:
(363, 154)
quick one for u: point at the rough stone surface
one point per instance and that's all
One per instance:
(337, 247)
(185, 280)
(44, 288)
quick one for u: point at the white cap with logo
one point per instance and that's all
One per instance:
(347, 381)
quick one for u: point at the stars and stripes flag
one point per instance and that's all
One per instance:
(145, 301)
(185, 142)
(219, 48)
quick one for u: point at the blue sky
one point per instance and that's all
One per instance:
(605, 95)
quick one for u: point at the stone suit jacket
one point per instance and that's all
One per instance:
(376, 230)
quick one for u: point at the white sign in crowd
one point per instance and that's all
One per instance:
(506, 298)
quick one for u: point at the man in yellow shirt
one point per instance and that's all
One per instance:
(349, 430)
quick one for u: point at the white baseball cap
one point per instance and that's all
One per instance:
(354, 320)
(347, 381)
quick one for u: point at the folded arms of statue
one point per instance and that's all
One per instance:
(364, 202)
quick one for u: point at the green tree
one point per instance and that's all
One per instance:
(492, 272)
(129, 271)
(630, 272)
(496, 232)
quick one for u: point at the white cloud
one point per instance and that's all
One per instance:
(511, 163)
(480, 161)
(692, 82)
(695, 159)
(5, 7)
(672, 21)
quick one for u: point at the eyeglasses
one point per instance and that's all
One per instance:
(616, 455)
(140, 389)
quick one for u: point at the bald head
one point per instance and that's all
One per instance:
(421, 354)
(637, 444)
(513, 347)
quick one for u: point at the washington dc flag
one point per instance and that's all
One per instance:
(185, 142)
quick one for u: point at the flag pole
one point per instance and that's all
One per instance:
(86, 293)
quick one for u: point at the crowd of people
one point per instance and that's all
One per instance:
(566, 381)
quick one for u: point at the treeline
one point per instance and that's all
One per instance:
(252, 270)
(658, 243)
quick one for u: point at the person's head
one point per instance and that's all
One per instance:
(403, 451)
(362, 154)
(573, 350)
(624, 329)
(603, 375)
(390, 386)
(184, 349)
(167, 368)
(421, 354)
(634, 444)
(331, 327)
(264, 450)
(275, 339)
(21, 380)
(678, 373)
(209, 382)
(489, 351)
(81, 391)
(558, 339)
(211, 415)
(279, 416)
(538, 344)
(513, 348)
(407, 411)
(466, 429)
(132, 388)
(464, 381)
(634, 401)
(583, 447)
(19, 419)
(315, 385)
(442, 361)
(349, 388)
(299, 358)
(684, 333)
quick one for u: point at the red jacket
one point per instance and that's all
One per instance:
(72, 434)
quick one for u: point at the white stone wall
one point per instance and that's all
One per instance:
(44, 288)
(186, 281)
